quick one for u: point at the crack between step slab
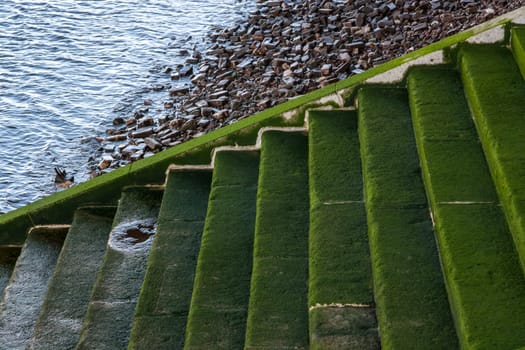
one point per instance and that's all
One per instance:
(342, 202)
(339, 306)
(466, 202)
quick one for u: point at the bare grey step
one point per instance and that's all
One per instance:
(60, 321)
(109, 317)
(8, 256)
(25, 293)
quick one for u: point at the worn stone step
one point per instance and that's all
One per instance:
(8, 256)
(412, 306)
(278, 314)
(470, 226)
(340, 293)
(518, 47)
(496, 90)
(109, 316)
(162, 309)
(219, 304)
(25, 293)
(60, 321)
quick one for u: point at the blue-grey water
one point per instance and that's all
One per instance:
(69, 67)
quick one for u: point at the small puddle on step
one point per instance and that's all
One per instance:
(133, 236)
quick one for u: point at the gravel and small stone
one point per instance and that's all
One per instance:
(285, 48)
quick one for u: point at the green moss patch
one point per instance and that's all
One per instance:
(339, 257)
(344, 327)
(387, 144)
(411, 300)
(334, 159)
(278, 311)
(412, 305)
(67, 299)
(484, 278)
(109, 316)
(340, 270)
(164, 302)
(451, 156)
(219, 303)
(496, 91)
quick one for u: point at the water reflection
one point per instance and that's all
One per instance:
(68, 68)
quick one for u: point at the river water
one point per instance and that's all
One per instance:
(69, 67)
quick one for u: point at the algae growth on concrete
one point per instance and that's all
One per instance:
(340, 276)
(219, 303)
(403, 249)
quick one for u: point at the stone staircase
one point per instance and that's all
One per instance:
(397, 224)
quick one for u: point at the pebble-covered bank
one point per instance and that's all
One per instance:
(285, 48)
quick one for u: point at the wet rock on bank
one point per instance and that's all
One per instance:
(282, 50)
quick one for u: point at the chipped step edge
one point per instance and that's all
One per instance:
(336, 97)
(149, 187)
(396, 75)
(334, 202)
(519, 19)
(466, 202)
(185, 168)
(324, 108)
(339, 306)
(51, 226)
(490, 36)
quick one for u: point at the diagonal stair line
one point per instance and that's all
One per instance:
(341, 300)
(217, 315)
(278, 314)
(411, 300)
(472, 232)
(495, 90)
(66, 301)
(162, 310)
(109, 316)
(518, 47)
(24, 295)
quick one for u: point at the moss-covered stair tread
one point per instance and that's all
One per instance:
(496, 91)
(219, 303)
(470, 225)
(412, 304)
(340, 295)
(277, 315)
(164, 302)
(386, 211)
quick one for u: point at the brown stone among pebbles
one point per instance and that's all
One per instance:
(142, 132)
(152, 143)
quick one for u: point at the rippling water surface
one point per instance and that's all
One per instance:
(68, 67)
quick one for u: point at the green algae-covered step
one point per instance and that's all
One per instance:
(411, 300)
(480, 264)
(219, 304)
(25, 293)
(8, 256)
(109, 316)
(278, 313)
(340, 295)
(162, 309)
(496, 90)
(518, 47)
(60, 321)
